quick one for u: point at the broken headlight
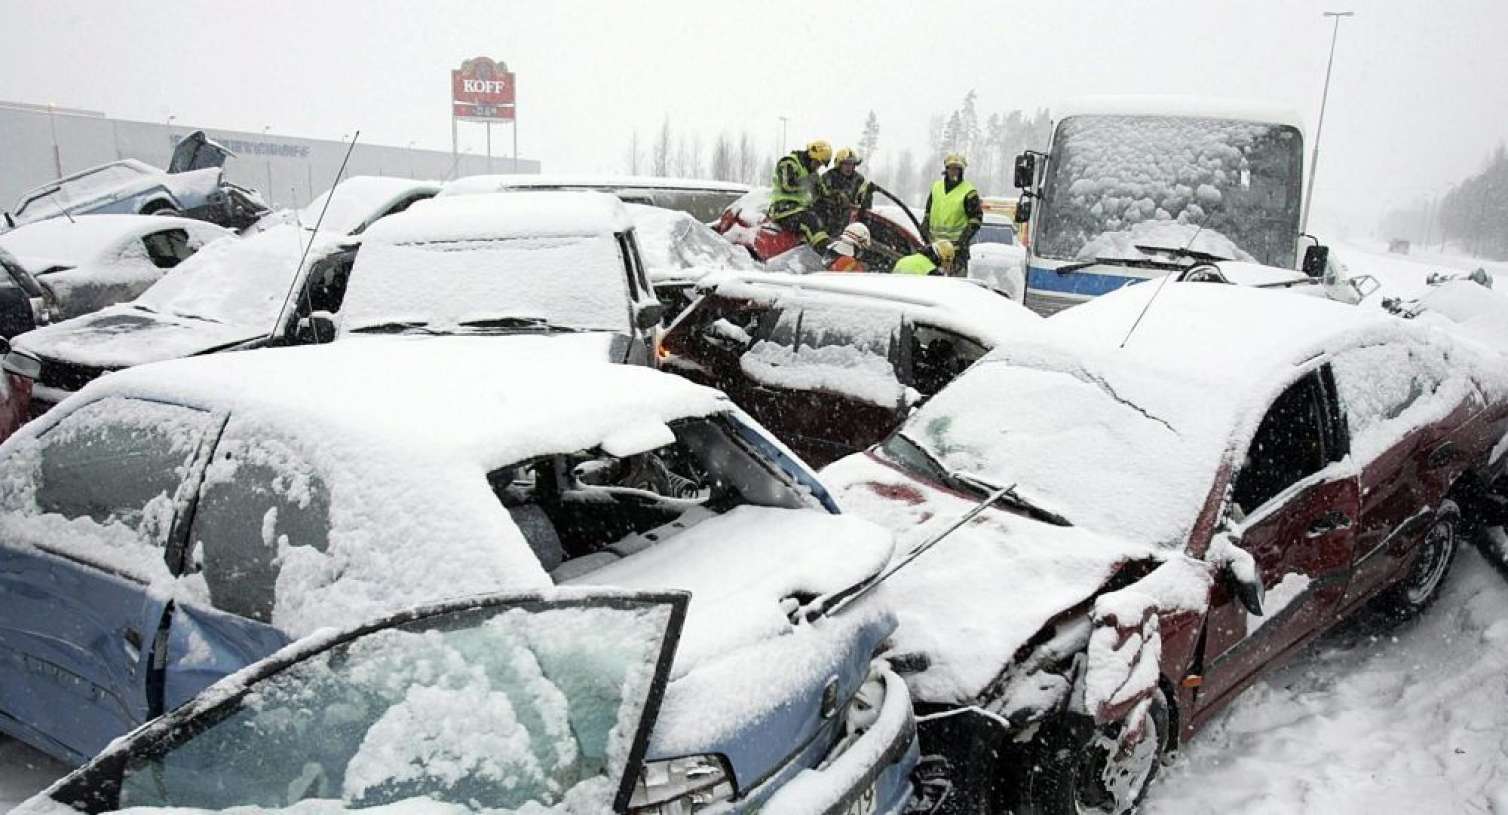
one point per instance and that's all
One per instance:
(681, 786)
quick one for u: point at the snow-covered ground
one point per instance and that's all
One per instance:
(1369, 720)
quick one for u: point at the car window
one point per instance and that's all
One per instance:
(628, 264)
(167, 248)
(1287, 447)
(108, 482)
(1377, 384)
(583, 510)
(833, 347)
(521, 709)
(939, 356)
(325, 288)
(637, 258)
(261, 499)
(995, 233)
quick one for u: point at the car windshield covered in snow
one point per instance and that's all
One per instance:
(232, 282)
(1127, 187)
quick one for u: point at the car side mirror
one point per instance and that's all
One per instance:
(1248, 589)
(1023, 210)
(21, 363)
(648, 316)
(1364, 285)
(1026, 171)
(1316, 258)
(316, 329)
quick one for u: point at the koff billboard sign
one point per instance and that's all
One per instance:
(482, 90)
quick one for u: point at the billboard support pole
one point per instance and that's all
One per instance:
(454, 154)
(515, 139)
(489, 145)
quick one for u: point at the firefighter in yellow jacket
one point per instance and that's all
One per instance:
(953, 212)
(794, 190)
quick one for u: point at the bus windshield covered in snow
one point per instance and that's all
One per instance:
(1137, 187)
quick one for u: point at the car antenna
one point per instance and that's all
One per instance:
(1164, 281)
(298, 272)
(838, 602)
(66, 213)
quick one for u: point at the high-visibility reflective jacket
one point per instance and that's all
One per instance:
(948, 217)
(918, 264)
(791, 185)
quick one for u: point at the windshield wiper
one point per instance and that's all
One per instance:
(1183, 252)
(1147, 263)
(518, 322)
(397, 327)
(974, 485)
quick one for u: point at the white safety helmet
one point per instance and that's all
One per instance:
(857, 234)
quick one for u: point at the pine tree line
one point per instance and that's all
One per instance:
(1473, 216)
(990, 146)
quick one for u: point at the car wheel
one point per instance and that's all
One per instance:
(1083, 770)
(1410, 596)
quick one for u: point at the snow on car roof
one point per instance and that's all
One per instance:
(61, 242)
(493, 183)
(676, 246)
(962, 305)
(498, 216)
(403, 432)
(1207, 107)
(360, 197)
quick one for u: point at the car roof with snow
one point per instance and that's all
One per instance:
(64, 242)
(358, 198)
(501, 216)
(964, 305)
(493, 183)
(1204, 107)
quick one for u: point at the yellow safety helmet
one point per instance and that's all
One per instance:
(955, 159)
(944, 250)
(820, 151)
(847, 154)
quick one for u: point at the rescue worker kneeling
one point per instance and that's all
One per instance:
(936, 259)
(843, 254)
(793, 191)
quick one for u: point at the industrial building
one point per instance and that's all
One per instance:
(39, 143)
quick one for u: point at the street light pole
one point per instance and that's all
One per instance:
(266, 128)
(783, 140)
(1324, 97)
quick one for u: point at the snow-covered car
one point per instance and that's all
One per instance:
(702, 199)
(194, 186)
(679, 251)
(997, 259)
(832, 362)
(1176, 498)
(498, 702)
(175, 522)
(232, 295)
(85, 263)
(507, 263)
(746, 223)
(353, 205)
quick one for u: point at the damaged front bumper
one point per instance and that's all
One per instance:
(869, 774)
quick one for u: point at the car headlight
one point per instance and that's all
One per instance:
(21, 363)
(681, 786)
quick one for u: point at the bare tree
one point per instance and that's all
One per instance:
(634, 154)
(694, 165)
(870, 140)
(660, 164)
(722, 158)
(744, 159)
(905, 175)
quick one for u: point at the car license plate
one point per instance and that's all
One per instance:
(864, 804)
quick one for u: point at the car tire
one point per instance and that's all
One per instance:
(1410, 596)
(1066, 771)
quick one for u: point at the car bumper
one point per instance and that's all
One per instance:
(870, 776)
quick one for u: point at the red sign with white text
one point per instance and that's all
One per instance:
(482, 89)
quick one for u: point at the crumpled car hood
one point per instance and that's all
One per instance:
(973, 600)
(121, 336)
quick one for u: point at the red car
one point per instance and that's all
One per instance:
(1176, 496)
(745, 223)
(831, 363)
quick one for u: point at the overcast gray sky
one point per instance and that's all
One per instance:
(1419, 96)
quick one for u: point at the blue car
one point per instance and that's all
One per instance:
(176, 522)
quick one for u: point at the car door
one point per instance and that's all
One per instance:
(262, 503)
(1294, 505)
(828, 372)
(498, 703)
(94, 504)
